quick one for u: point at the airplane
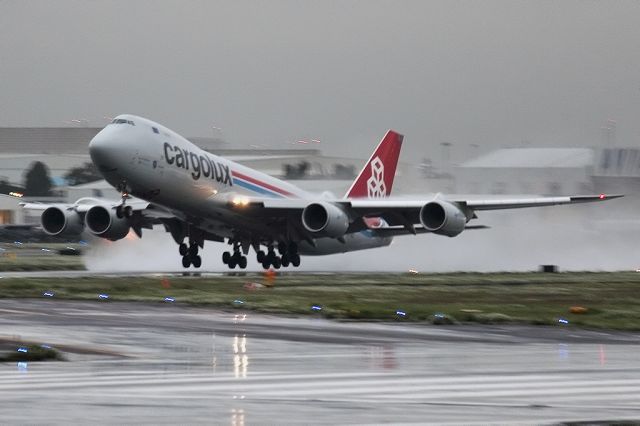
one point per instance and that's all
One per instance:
(197, 196)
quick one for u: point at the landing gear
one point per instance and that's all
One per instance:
(235, 259)
(190, 255)
(288, 256)
(123, 210)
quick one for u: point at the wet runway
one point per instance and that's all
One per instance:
(167, 364)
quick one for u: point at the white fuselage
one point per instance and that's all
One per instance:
(155, 164)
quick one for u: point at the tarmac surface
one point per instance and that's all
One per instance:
(166, 363)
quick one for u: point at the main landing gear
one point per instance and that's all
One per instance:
(190, 255)
(288, 256)
(235, 259)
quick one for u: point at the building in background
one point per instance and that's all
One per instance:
(543, 171)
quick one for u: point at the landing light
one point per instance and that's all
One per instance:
(16, 194)
(240, 201)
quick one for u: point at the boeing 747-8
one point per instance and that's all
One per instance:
(166, 180)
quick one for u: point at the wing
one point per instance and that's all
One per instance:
(437, 214)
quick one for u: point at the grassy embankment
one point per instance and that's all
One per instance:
(612, 299)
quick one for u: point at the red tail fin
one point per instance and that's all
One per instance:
(376, 178)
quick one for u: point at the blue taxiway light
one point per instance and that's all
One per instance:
(23, 350)
(169, 299)
(316, 308)
(103, 296)
(401, 313)
(239, 302)
(48, 294)
(563, 321)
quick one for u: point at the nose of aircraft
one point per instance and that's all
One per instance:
(100, 150)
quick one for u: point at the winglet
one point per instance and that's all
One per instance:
(376, 178)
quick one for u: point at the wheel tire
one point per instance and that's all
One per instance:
(242, 262)
(183, 249)
(282, 248)
(197, 261)
(193, 250)
(232, 263)
(226, 257)
(285, 260)
(260, 256)
(266, 265)
(186, 261)
(276, 263)
(295, 260)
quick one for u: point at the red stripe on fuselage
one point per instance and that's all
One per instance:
(262, 184)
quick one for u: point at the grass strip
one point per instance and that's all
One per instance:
(612, 300)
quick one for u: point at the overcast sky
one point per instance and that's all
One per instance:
(492, 73)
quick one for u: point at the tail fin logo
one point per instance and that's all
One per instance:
(376, 177)
(376, 187)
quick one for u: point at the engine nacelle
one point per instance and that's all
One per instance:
(60, 221)
(325, 219)
(104, 223)
(441, 217)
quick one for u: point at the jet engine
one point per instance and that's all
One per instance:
(60, 221)
(443, 218)
(325, 219)
(104, 223)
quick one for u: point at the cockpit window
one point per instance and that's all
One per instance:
(122, 121)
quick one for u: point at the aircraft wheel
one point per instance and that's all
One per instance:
(295, 260)
(242, 262)
(232, 263)
(285, 260)
(186, 261)
(260, 256)
(282, 248)
(226, 257)
(183, 249)
(276, 263)
(197, 261)
(266, 264)
(193, 250)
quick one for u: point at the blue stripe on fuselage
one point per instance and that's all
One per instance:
(255, 188)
